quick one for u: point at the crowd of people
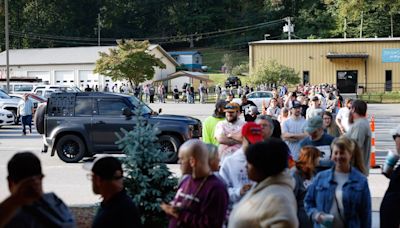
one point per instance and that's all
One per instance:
(302, 162)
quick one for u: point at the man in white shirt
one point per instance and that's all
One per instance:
(25, 110)
(233, 170)
(342, 118)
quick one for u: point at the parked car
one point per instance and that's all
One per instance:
(46, 90)
(233, 81)
(10, 104)
(257, 97)
(6, 117)
(76, 125)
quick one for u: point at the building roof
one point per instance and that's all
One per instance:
(62, 55)
(191, 74)
(172, 53)
(325, 41)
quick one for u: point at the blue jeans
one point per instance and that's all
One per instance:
(26, 120)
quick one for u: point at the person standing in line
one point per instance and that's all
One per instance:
(271, 202)
(117, 208)
(176, 94)
(360, 130)
(28, 206)
(218, 91)
(293, 130)
(303, 172)
(146, 92)
(228, 132)
(245, 108)
(210, 123)
(152, 92)
(106, 89)
(202, 198)
(390, 206)
(342, 117)
(202, 91)
(340, 196)
(233, 170)
(25, 111)
(271, 127)
(330, 126)
(273, 110)
(315, 108)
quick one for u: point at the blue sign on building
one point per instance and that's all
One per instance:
(391, 55)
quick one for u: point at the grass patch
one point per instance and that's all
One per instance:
(387, 97)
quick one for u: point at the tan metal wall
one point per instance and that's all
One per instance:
(312, 57)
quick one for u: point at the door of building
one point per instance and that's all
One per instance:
(388, 80)
(347, 81)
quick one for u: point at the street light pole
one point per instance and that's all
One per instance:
(7, 45)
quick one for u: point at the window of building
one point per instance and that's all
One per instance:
(306, 77)
(388, 80)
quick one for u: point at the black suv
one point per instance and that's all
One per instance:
(76, 125)
(233, 81)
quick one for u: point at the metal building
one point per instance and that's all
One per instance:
(371, 64)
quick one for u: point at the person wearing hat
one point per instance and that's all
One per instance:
(245, 108)
(315, 108)
(228, 131)
(233, 170)
(210, 122)
(117, 208)
(390, 206)
(28, 206)
(293, 129)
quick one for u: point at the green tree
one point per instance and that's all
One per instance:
(272, 72)
(241, 69)
(130, 61)
(148, 179)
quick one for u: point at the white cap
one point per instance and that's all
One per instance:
(395, 131)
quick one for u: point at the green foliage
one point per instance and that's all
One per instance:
(241, 69)
(148, 179)
(272, 72)
(130, 61)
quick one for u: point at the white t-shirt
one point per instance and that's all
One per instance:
(341, 179)
(343, 115)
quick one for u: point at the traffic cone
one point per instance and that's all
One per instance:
(372, 162)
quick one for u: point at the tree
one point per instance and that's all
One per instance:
(272, 72)
(130, 60)
(148, 179)
(227, 60)
(241, 69)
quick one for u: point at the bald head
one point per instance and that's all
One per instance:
(194, 154)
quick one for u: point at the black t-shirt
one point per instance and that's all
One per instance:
(119, 211)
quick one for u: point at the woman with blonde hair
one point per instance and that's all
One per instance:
(303, 172)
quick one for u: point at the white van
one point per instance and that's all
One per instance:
(18, 87)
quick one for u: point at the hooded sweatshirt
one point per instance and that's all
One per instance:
(271, 203)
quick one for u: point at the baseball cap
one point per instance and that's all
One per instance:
(313, 124)
(315, 98)
(395, 132)
(220, 104)
(232, 107)
(252, 132)
(296, 104)
(105, 167)
(23, 165)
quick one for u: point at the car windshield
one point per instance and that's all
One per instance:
(4, 95)
(145, 109)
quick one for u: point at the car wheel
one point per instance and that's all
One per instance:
(70, 148)
(170, 145)
(39, 118)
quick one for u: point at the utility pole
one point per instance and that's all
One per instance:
(98, 30)
(290, 28)
(345, 28)
(361, 26)
(391, 25)
(7, 45)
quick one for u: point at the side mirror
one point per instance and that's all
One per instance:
(159, 110)
(127, 112)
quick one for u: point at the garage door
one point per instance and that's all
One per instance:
(87, 77)
(64, 78)
(44, 75)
